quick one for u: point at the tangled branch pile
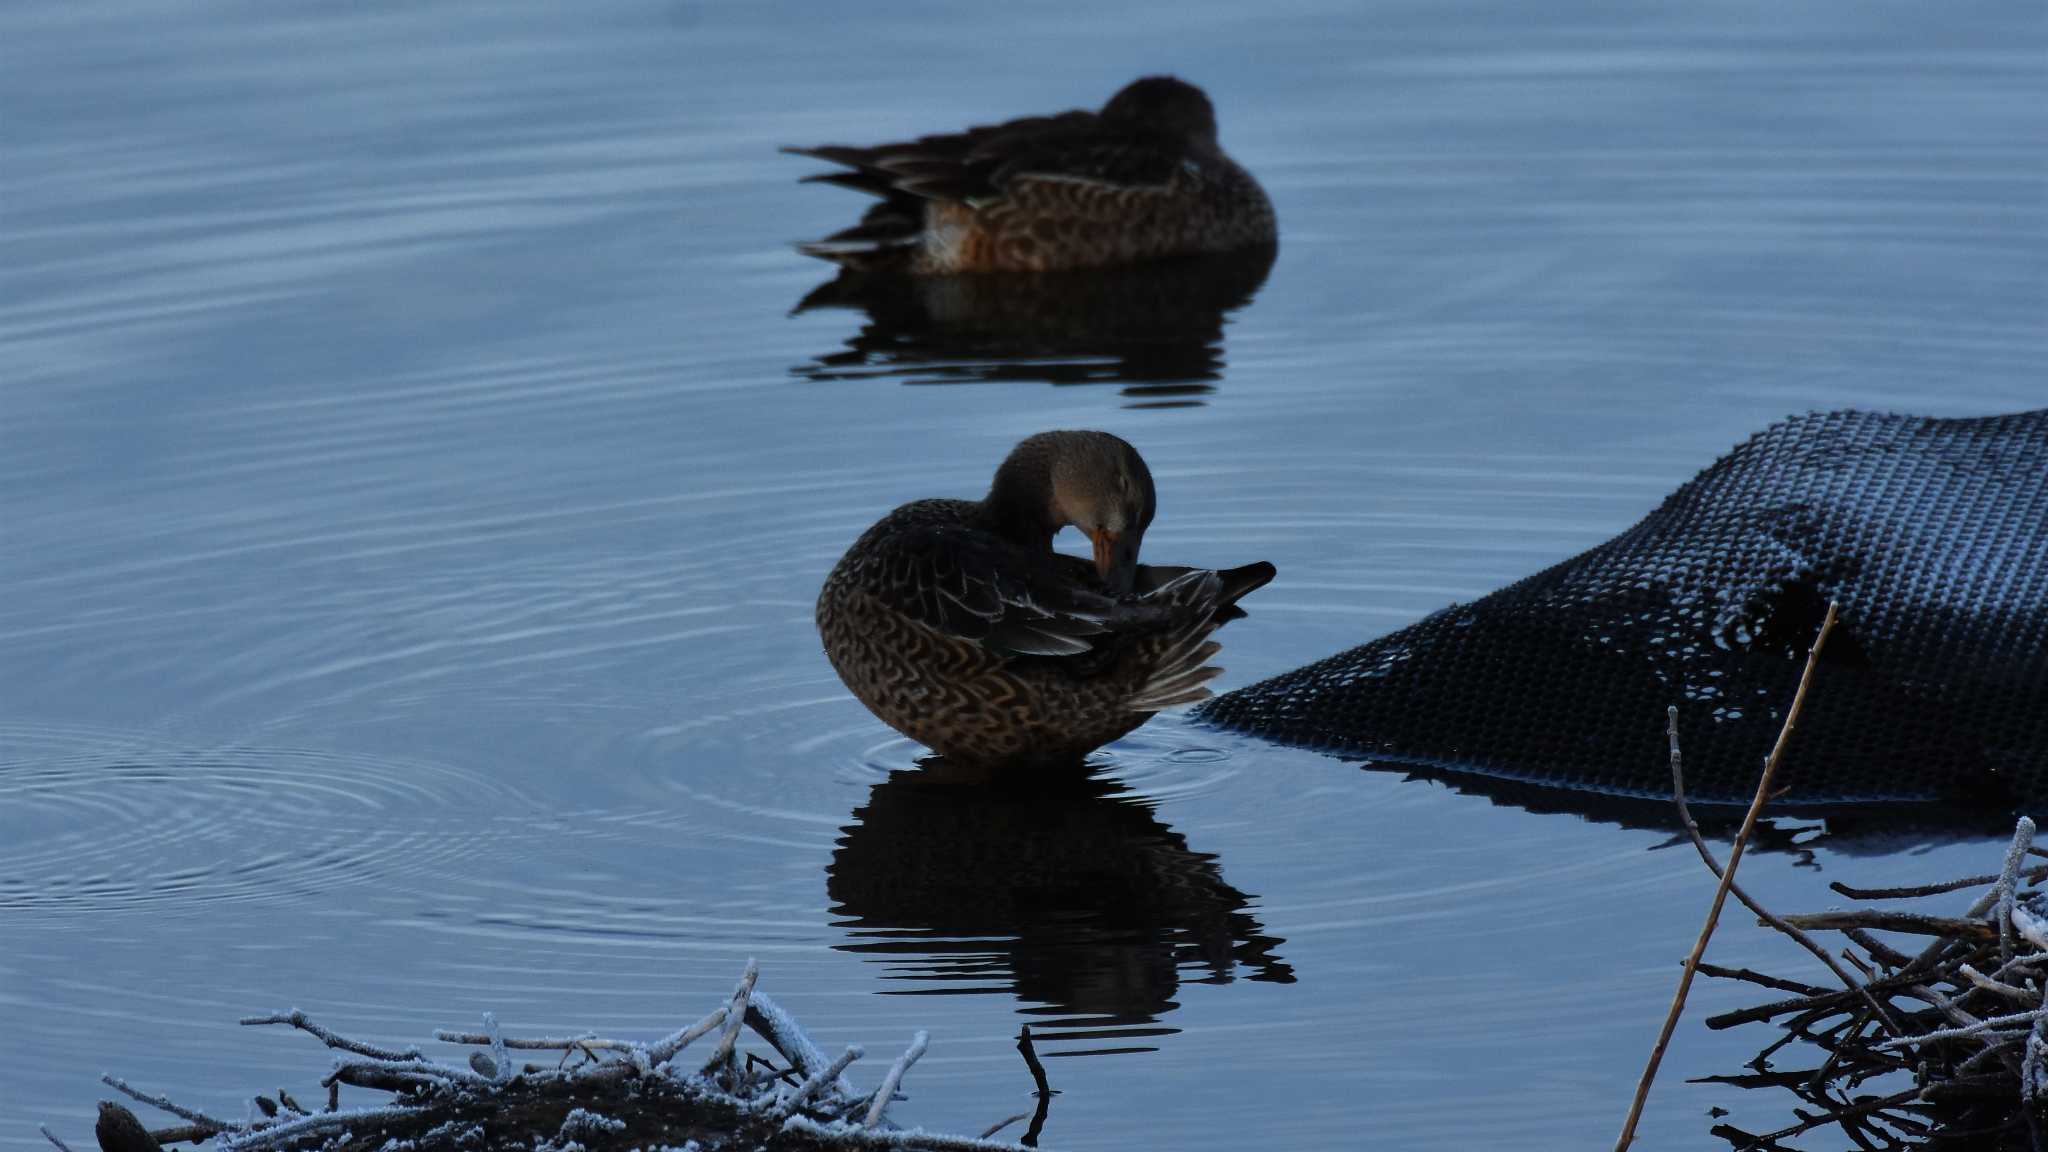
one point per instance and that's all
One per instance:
(597, 1095)
(1940, 1046)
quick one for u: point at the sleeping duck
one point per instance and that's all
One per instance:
(959, 626)
(1142, 179)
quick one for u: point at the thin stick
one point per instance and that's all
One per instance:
(735, 1016)
(297, 1019)
(1764, 914)
(663, 1051)
(1045, 1091)
(818, 1080)
(1946, 927)
(2022, 839)
(1989, 984)
(888, 1089)
(547, 1043)
(1754, 977)
(991, 1130)
(47, 1135)
(164, 1102)
(1699, 947)
(785, 1035)
(2032, 875)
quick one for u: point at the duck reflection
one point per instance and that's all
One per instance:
(1157, 328)
(1069, 894)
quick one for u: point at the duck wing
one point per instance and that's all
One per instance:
(977, 586)
(986, 162)
(1113, 160)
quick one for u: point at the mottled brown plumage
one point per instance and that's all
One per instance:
(957, 624)
(1142, 179)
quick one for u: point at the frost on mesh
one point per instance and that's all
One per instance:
(584, 1093)
(1931, 534)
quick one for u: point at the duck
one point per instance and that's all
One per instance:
(1142, 179)
(959, 625)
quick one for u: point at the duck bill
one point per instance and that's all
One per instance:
(1116, 558)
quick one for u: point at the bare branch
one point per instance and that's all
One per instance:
(164, 1103)
(297, 1019)
(1749, 819)
(894, 1078)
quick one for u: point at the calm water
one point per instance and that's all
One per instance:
(417, 471)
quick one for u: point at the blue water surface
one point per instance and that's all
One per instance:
(416, 471)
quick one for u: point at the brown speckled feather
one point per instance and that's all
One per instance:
(1142, 179)
(992, 652)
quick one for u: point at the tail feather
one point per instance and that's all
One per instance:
(1201, 601)
(888, 231)
(1188, 690)
(857, 180)
(1182, 667)
(1242, 581)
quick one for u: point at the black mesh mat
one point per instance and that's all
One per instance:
(1932, 535)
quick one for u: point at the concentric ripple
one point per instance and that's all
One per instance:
(94, 821)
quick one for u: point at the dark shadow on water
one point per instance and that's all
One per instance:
(1850, 829)
(1157, 328)
(1065, 892)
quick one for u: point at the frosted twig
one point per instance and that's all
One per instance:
(319, 1122)
(2033, 1079)
(1994, 1048)
(2032, 959)
(894, 1138)
(297, 1019)
(499, 1057)
(52, 1138)
(664, 1050)
(818, 1080)
(2022, 839)
(427, 1069)
(2031, 928)
(1989, 1024)
(1995, 986)
(538, 1043)
(895, 1077)
(164, 1103)
(735, 1015)
(766, 1017)
(1756, 807)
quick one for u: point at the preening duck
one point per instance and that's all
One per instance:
(958, 625)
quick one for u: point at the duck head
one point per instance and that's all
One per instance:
(1167, 105)
(1091, 480)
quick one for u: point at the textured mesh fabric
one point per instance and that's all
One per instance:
(1931, 534)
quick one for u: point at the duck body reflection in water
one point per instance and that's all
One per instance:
(1064, 890)
(1157, 327)
(1143, 178)
(959, 626)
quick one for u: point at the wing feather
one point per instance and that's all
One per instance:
(976, 586)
